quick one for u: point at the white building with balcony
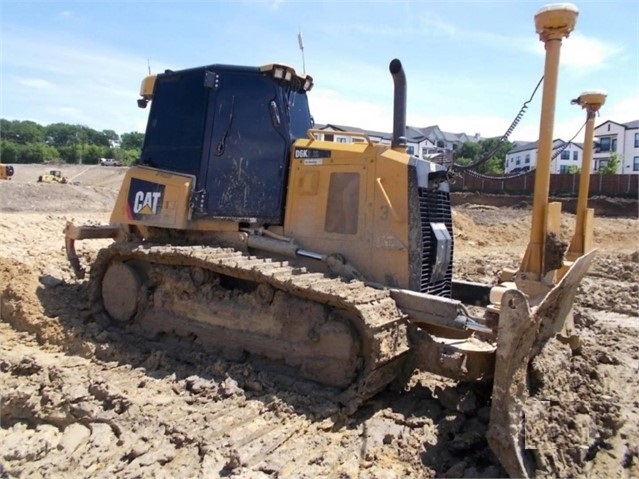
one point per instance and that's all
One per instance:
(523, 157)
(621, 139)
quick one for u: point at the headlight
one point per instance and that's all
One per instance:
(308, 84)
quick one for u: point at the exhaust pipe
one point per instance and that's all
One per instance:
(399, 104)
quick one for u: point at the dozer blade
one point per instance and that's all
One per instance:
(523, 332)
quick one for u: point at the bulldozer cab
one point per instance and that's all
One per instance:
(56, 173)
(231, 127)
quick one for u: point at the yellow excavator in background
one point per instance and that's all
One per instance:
(53, 176)
(6, 172)
(239, 228)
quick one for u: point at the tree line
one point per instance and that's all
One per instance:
(30, 142)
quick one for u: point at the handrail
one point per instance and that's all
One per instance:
(342, 133)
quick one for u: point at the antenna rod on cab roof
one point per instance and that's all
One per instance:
(300, 40)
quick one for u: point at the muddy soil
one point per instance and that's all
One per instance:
(81, 399)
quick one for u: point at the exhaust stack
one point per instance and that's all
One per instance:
(399, 104)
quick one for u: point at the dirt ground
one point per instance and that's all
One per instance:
(79, 399)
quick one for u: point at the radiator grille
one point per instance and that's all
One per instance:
(434, 207)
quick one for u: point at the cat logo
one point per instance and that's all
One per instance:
(146, 203)
(145, 199)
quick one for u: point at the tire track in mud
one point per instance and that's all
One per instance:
(189, 429)
(96, 420)
(612, 285)
(82, 399)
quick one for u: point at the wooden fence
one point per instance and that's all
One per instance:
(566, 184)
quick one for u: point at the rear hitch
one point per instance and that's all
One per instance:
(73, 232)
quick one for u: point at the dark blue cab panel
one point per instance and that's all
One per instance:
(232, 128)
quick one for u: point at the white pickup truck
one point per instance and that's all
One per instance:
(109, 162)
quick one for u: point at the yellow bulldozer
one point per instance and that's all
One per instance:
(238, 226)
(6, 172)
(53, 176)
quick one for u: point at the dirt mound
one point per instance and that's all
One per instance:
(90, 188)
(605, 206)
(86, 175)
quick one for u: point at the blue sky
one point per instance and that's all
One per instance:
(469, 64)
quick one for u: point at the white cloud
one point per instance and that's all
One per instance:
(70, 81)
(67, 57)
(329, 106)
(581, 51)
(585, 52)
(621, 111)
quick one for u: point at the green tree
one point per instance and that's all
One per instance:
(91, 154)
(132, 140)
(61, 135)
(9, 152)
(38, 153)
(494, 166)
(97, 138)
(573, 170)
(126, 157)
(69, 154)
(497, 150)
(611, 166)
(467, 151)
(21, 132)
(12, 152)
(112, 137)
(463, 161)
(29, 142)
(490, 151)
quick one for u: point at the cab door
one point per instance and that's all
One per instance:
(248, 149)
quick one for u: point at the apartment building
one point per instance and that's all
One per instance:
(523, 157)
(621, 139)
(429, 143)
